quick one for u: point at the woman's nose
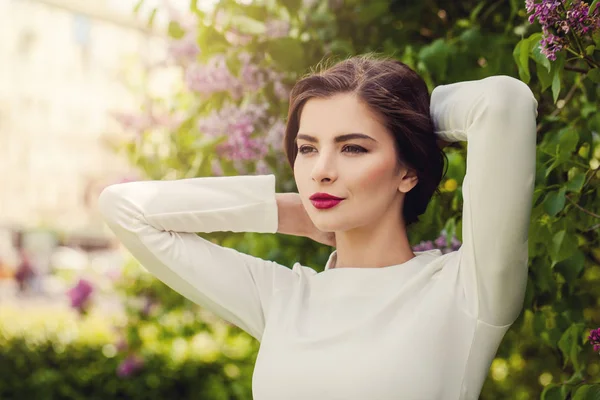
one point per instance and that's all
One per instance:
(324, 169)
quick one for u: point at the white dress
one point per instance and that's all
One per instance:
(422, 330)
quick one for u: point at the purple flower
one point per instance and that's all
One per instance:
(440, 242)
(80, 294)
(212, 77)
(184, 50)
(557, 21)
(239, 125)
(425, 246)
(594, 339)
(121, 344)
(455, 243)
(130, 366)
(277, 29)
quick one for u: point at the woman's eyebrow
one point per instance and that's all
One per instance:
(337, 139)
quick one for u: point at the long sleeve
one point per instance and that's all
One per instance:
(497, 118)
(157, 222)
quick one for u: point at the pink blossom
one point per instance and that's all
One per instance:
(212, 77)
(130, 366)
(275, 134)
(594, 339)
(80, 295)
(239, 125)
(277, 29)
(184, 50)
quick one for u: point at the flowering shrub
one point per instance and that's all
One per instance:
(237, 66)
(594, 339)
(564, 25)
(79, 295)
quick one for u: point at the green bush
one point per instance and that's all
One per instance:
(69, 357)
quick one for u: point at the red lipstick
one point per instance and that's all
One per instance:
(325, 200)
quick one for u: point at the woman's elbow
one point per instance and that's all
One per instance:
(114, 206)
(510, 94)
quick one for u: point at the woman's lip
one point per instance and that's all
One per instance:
(322, 204)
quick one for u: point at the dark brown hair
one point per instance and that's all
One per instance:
(400, 97)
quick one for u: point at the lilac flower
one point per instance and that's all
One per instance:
(216, 168)
(184, 50)
(237, 38)
(133, 122)
(80, 294)
(594, 339)
(424, 246)
(277, 29)
(149, 306)
(130, 366)
(557, 21)
(121, 344)
(252, 78)
(275, 134)
(239, 125)
(455, 243)
(212, 77)
(440, 242)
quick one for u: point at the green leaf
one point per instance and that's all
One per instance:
(576, 182)
(551, 392)
(590, 50)
(536, 52)
(288, 53)
(138, 6)
(292, 5)
(435, 56)
(544, 76)
(152, 17)
(555, 85)
(587, 392)
(211, 42)
(594, 75)
(371, 11)
(557, 71)
(248, 25)
(175, 30)
(554, 202)
(567, 141)
(593, 7)
(521, 56)
(569, 345)
(563, 246)
(571, 267)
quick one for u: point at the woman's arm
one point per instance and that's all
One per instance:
(157, 222)
(496, 116)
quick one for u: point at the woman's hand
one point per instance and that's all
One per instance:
(294, 220)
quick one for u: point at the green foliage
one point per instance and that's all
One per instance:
(81, 372)
(545, 354)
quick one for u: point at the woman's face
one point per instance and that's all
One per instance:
(345, 151)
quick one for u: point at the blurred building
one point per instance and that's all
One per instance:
(65, 65)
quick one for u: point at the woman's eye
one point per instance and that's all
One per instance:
(354, 149)
(304, 149)
(347, 149)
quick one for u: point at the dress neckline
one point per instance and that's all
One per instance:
(419, 255)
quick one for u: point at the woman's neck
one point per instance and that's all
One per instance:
(381, 245)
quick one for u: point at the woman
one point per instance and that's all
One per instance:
(380, 322)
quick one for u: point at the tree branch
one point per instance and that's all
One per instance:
(582, 209)
(576, 69)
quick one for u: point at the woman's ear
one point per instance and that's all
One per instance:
(409, 181)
